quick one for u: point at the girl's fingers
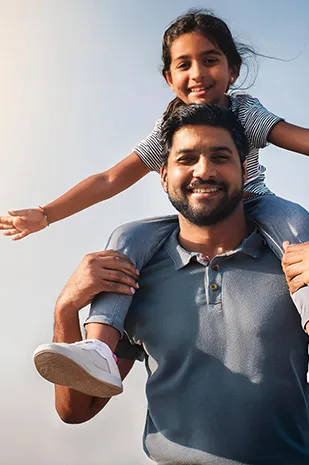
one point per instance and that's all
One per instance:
(18, 212)
(6, 226)
(14, 234)
(10, 232)
(5, 222)
(19, 236)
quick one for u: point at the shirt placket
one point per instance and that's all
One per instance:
(213, 279)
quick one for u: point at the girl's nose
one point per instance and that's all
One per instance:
(196, 71)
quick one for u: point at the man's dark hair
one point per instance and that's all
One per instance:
(204, 114)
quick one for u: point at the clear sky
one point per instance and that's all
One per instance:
(79, 87)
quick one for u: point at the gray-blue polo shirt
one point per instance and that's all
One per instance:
(226, 358)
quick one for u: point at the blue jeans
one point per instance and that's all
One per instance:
(277, 219)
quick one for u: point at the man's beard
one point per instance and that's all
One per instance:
(206, 217)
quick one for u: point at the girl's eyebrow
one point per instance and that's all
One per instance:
(211, 51)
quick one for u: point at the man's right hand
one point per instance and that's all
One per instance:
(107, 271)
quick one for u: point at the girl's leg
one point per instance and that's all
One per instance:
(103, 332)
(89, 366)
(139, 241)
(280, 220)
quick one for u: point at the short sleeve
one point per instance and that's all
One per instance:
(150, 149)
(255, 118)
(300, 301)
(129, 351)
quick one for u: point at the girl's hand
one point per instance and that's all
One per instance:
(21, 223)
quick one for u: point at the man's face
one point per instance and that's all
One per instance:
(203, 177)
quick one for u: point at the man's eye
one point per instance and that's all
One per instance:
(186, 160)
(183, 65)
(220, 158)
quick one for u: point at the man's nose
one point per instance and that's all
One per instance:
(204, 169)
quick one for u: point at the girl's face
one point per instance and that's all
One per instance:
(199, 71)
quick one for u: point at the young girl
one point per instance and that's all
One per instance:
(200, 63)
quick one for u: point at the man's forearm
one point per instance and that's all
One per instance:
(66, 323)
(73, 406)
(98, 272)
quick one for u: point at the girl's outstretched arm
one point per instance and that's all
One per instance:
(290, 137)
(90, 191)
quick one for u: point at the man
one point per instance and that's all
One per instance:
(223, 344)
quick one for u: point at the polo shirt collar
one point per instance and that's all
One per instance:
(251, 245)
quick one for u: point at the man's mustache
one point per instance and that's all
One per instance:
(209, 183)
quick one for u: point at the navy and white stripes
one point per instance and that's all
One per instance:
(255, 119)
(257, 122)
(150, 149)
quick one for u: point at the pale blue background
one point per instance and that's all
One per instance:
(79, 87)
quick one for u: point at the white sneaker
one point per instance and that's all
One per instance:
(87, 366)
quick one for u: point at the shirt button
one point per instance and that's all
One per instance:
(213, 287)
(215, 267)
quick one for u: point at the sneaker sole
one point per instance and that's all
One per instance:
(61, 370)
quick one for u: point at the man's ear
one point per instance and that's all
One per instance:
(168, 78)
(245, 171)
(163, 174)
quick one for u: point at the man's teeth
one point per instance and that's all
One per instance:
(205, 191)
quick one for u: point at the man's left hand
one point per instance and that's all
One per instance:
(295, 265)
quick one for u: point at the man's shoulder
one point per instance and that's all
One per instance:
(140, 228)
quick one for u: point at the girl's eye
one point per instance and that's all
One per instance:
(210, 61)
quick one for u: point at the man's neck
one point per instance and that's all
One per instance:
(216, 239)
